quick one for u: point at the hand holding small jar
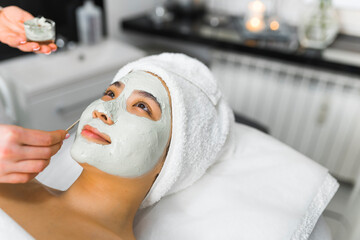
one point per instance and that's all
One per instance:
(12, 31)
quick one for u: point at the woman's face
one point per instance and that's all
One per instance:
(126, 131)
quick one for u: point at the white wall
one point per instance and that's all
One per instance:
(350, 21)
(349, 15)
(120, 9)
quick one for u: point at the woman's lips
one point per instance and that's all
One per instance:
(93, 135)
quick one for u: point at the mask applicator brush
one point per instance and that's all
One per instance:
(71, 127)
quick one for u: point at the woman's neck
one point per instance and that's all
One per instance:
(109, 200)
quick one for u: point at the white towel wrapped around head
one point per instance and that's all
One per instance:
(201, 120)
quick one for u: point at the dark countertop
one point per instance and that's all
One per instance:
(343, 55)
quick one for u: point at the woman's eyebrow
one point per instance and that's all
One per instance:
(116, 84)
(148, 95)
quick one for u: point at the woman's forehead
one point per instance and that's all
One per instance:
(138, 75)
(144, 81)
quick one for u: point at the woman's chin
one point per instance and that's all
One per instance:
(90, 167)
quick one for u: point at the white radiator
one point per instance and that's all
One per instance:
(315, 112)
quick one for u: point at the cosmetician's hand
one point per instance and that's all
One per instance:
(24, 152)
(12, 31)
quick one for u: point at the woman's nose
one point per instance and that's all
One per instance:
(103, 117)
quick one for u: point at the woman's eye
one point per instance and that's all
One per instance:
(143, 106)
(109, 93)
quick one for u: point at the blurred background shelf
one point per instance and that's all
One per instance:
(343, 55)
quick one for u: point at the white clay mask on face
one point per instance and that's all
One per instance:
(137, 142)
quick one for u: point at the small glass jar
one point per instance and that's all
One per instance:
(40, 30)
(319, 26)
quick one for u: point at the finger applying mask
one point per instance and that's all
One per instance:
(26, 151)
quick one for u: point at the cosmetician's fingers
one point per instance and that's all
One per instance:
(12, 150)
(28, 166)
(53, 47)
(13, 40)
(12, 31)
(33, 152)
(17, 156)
(59, 135)
(25, 16)
(42, 138)
(14, 17)
(44, 49)
(16, 14)
(29, 47)
(17, 177)
(12, 20)
(9, 135)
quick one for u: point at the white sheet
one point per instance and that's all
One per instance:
(261, 189)
(62, 171)
(10, 230)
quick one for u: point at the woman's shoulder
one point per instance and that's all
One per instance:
(15, 198)
(24, 191)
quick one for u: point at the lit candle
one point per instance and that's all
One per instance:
(256, 7)
(255, 21)
(255, 24)
(274, 25)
